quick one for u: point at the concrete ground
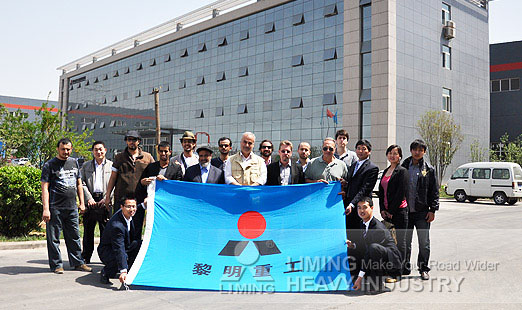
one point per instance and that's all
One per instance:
(476, 258)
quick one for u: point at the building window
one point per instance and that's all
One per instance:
(446, 57)
(330, 10)
(138, 93)
(222, 41)
(220, 111)
(87, 83)
(199, 113)
(243, 71)
(495, 86)
(96, 80)
(297, 60)
(102, 125)
(296, 103)
(366, 71)
(200, 80)
(152, 62)
(267, 106)
(104, 100)
(113, 122)
(270, 27)
(366, 119)
(139, 66)
(298, 19)
(183, 53)
(446, 99)
(329, 99)
(330, 54)
(504, 85)
(114, 98)
(115, 74)
(221, 76)
(182, 84)
(242, 109)
(165, 88)
(166, 58)
(243, 35)
(105, 77)
(366, 23)
(202, 47)
(72, 87)
(514, 84)
(446, 13)
(126, 70)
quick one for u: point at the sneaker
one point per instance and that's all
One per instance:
(425, 275)
(83, 267)
(58, 270)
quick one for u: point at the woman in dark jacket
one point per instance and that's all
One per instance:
(393, 192)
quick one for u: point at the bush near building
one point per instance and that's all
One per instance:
(20, 200)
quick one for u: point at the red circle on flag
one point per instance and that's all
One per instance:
(251, 224)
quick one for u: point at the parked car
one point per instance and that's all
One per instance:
(501, 181)
(20, 161)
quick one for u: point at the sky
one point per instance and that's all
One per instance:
(36, 36)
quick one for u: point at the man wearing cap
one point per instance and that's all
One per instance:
(245, 167)
(126, 171)
(188, 157)
(204, 172)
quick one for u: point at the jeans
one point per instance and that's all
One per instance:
(66, 220)
(418, 220)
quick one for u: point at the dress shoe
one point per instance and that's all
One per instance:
(425, 275)
(58, 270)
(390, 280)
(104, 279)
(83, 267)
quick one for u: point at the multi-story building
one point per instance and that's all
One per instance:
(506, 97)
(283, 68)
(26, 106)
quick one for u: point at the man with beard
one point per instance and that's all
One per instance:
(245, 167)
(304, 150)
(204, 172)
(265, 149)
(284, 172)
(126, 171)
(187, 158)
(225, 145)
(159, 170)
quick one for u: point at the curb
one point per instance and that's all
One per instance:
(23, 245)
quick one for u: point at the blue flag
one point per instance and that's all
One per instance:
(244, 239)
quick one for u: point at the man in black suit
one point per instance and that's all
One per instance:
(381, 255)
(284, 172)
(158, 170)
(118, 249)
(204, 172)
(360, 180)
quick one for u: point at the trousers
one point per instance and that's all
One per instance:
(66, 220)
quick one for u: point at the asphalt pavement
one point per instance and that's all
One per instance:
(476, 260)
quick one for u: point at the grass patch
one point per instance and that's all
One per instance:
(40, 235)
(442, 192)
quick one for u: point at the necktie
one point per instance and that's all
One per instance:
(357, 165)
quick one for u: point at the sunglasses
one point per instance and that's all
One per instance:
(132, 139)
(331, 149)
(224, 145)
(266, 147)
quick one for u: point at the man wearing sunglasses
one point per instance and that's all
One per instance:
(225, 145)
(265, 149)
(284, 172)
(326, 168)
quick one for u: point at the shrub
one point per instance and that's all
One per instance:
(20, 200)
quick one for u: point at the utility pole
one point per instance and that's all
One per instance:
(158, 127)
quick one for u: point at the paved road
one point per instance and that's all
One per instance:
(477, 264)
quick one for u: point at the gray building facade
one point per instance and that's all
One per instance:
(278, 68)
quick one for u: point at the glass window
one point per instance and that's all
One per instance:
(242, 109)
(330, 10)
(138, 93)
(114, 98)
(366, 119)
(366, 71)
(495, 86)
(139, 66)
(115, 74)
(152, 62)
(366, 23)
(267, 106)
(222, 41)
(446, 99)
(182, 84)
(243, 71)
(298, 19)
(514, 84)
(199, 113)
(220, 76)
(202, 47)
(446, 13)
(502, 174)
(504, 85)
(329, 99)
(102, 125)
(297, 60)
(517, 171)
(243, 35)
(270, 27)
(113, 122)
(219, 111)
(166, 58)
(461, 173)
(104, 100)
(481, 173)
(72, 87)
(330, 54)
(96, 80)
(87, 83)
(165, 88)
(183, 53)
(126, 70)
(446, 57)
(296, 103)
(105, 77)
(200, 80)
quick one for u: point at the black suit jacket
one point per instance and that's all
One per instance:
(273, 176)
(361, 184)
(427, 199)
(115, 241)
(377, 233)
(173, 172)
(215, 175)
(397, 191)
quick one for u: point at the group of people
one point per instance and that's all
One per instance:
(408, 196)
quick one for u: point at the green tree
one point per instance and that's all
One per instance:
(477, 153)
(510, 152)
(15, 132)
(443, 137)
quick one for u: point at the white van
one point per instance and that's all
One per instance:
(498, 180)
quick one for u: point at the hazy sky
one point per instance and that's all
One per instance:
(39, 36)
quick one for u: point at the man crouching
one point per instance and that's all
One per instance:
(118, 249)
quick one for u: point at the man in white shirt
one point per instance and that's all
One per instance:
(188, 157)
(245, 167)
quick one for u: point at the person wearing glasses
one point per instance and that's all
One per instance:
(245, 167)
(284, 172)
(225, 145)
(265, 149)
(326, 168)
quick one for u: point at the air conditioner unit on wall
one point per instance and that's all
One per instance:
(449, 30)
